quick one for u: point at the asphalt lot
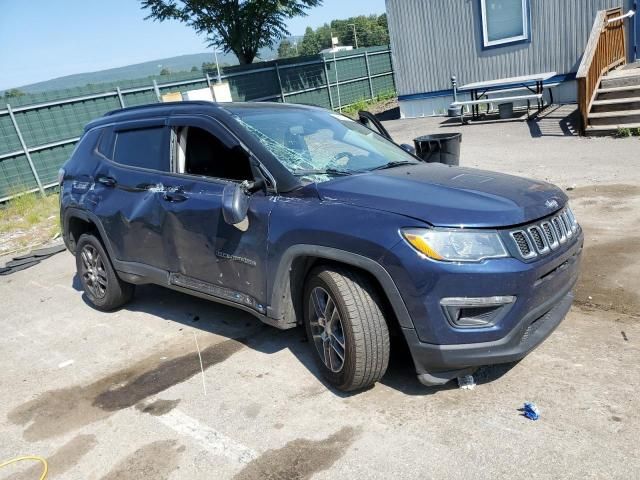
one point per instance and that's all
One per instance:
(121, 396)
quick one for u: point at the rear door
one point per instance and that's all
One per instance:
(129, 190)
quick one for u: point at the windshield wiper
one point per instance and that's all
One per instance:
(392, 165)
(326, 171)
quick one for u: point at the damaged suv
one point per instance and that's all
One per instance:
(299, 216)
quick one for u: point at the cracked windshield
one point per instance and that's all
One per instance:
(318, 146)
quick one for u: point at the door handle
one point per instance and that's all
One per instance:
(174, 195)
(107, 181)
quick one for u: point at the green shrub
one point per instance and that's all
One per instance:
(623, 132)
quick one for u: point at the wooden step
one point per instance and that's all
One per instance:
(608, 130)
(616, 104)
(618, 92)
(613, 81)
(614, 118)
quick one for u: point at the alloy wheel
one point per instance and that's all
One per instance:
(94, 275)
(326, 328)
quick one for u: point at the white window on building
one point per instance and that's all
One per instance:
(504, 21)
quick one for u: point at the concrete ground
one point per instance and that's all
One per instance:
(121, 396)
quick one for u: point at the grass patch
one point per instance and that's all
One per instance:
(623, 132)
(364, 104)
(28, 220)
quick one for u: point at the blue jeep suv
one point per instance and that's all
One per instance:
(299, 215)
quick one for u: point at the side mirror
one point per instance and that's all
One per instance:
(235, 203)
(408, 148)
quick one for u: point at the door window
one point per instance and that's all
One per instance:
(142, 147)
(198, 152)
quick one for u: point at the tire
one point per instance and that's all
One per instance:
(362, 334)
(101, 285)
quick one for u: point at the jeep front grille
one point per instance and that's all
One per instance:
(540, 238)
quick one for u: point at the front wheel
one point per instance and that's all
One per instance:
(346, 327)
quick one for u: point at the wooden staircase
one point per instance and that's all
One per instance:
(617, 102)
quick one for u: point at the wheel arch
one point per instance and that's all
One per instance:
(295, 265)
(76, 222)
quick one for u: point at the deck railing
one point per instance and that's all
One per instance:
(606, 49)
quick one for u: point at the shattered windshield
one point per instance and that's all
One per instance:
(318, 145)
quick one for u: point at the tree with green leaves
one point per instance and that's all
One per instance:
(165, 71)
(195, 69)
(286, 49)
(239, 26)
(13, 93)
(371, 31)
(311, 42)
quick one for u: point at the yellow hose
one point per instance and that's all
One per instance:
(43, 475)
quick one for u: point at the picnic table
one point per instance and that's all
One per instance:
(480, 91)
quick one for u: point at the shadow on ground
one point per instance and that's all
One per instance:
(242, 327)
(553, 121)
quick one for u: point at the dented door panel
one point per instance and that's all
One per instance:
(202, 246)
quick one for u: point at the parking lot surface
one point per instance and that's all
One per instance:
(122, 395)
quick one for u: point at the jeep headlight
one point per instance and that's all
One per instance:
(455, 245)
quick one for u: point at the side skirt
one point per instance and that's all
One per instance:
(140, 274)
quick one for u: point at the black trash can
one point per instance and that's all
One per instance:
(439, 147)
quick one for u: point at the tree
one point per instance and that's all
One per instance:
(165, 71)
(371, 30)
(311, 44)
(286, 49)
(13, 93)
(195, 69)
(239, 26)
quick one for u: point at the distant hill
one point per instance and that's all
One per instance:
(138, 70)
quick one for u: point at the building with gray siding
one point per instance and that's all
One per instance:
(476, 40)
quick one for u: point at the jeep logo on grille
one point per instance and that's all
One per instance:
(551, 204)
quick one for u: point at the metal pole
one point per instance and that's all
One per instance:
(280, 83)
(25, 149)
(120, 98)
(218, 79)
(335, 66)
(366, 62)
(355, 35)
(326, 76)
(208, 79)
(454, 84)
(157, 90)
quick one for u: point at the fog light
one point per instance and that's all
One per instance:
(476, 312)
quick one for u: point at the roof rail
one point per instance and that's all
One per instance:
(159, 105)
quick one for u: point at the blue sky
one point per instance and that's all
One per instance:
(43, 39)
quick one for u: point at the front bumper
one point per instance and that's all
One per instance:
(437, 364)
(544, 296)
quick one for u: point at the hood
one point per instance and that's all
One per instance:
(446, 196)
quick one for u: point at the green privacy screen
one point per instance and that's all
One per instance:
(50, 122)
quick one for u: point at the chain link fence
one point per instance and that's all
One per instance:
(38, 131)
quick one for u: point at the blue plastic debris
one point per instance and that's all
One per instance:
(531, 411)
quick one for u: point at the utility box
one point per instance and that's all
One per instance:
(172, 97)
(221, 92)
(199, 94)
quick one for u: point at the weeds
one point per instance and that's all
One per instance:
(27, 220)
(623, 132)
(364, 104)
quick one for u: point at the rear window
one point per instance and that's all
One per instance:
(142, 148)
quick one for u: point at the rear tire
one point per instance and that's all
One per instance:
(346, 327)
(101, 285)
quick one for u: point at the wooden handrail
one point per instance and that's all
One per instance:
(605, 50)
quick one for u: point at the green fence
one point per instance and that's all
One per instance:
(38, 131)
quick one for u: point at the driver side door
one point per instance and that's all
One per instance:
(209, 255)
